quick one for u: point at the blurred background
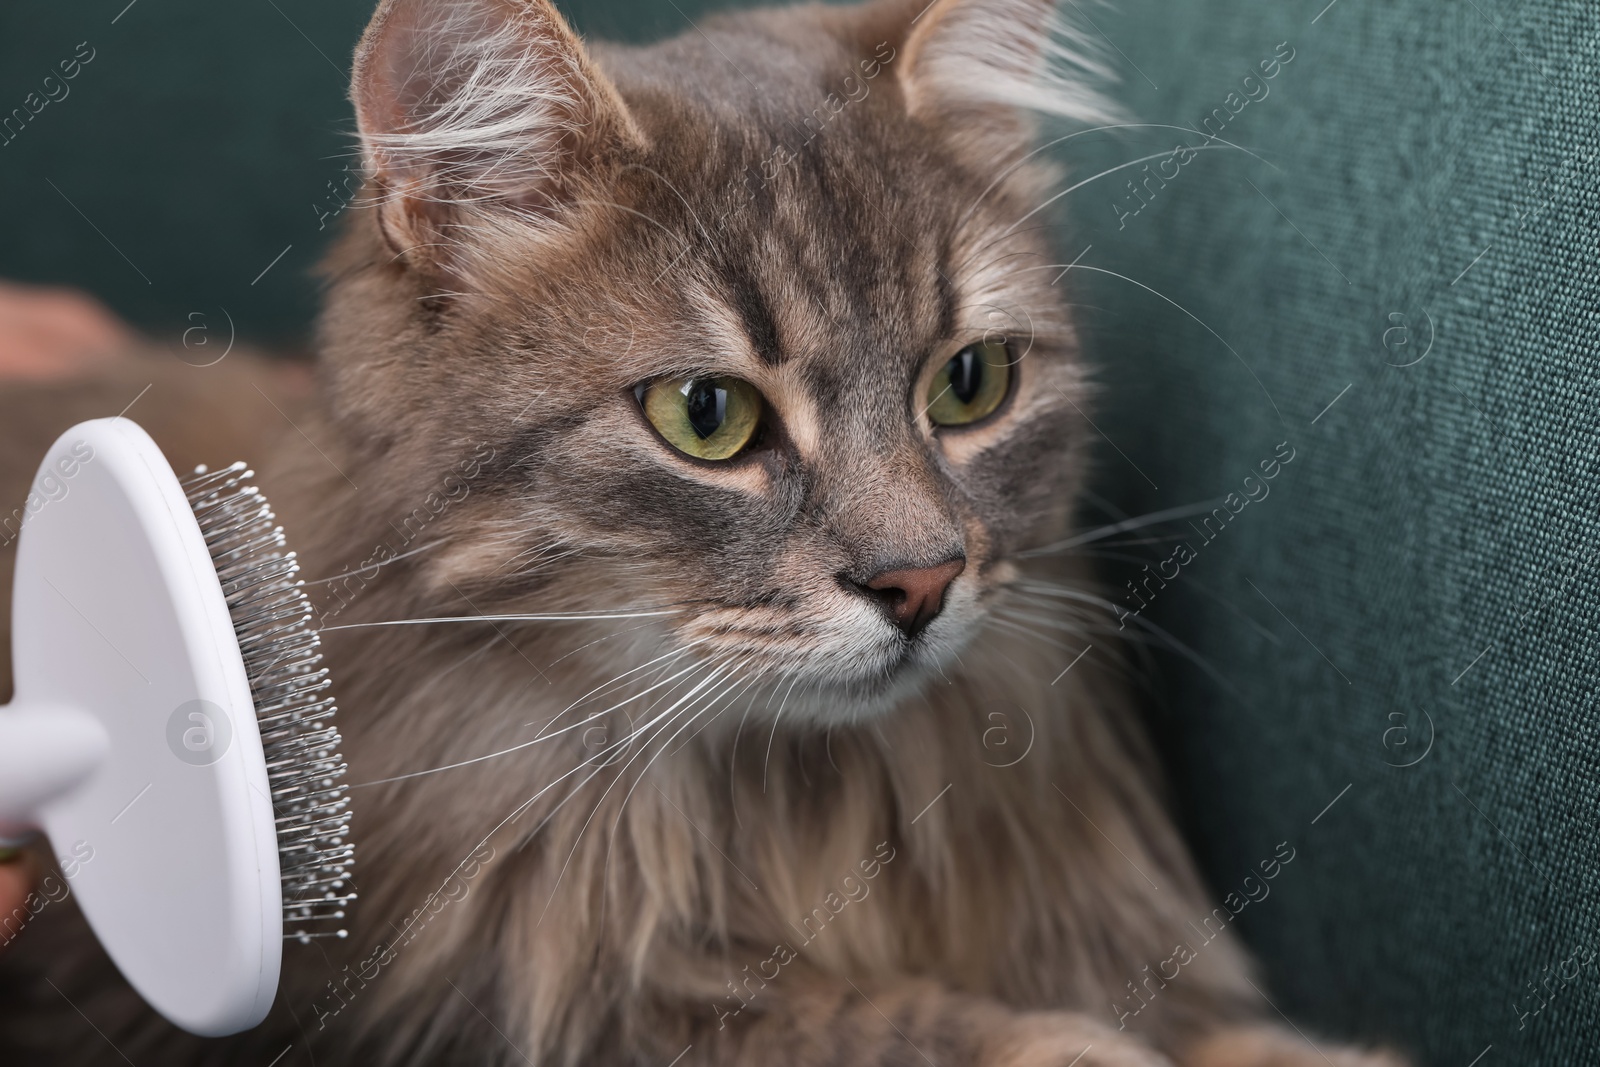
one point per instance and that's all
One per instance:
(1383, 260)
(199, 144)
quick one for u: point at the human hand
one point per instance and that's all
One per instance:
(55, 333)
(16, 883)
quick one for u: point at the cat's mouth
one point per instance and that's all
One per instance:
(843, 665)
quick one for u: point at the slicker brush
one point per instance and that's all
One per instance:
(294, 708)
(172, 732)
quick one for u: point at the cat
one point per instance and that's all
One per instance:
(696, 437)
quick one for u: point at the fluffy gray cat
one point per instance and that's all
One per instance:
(697, 427)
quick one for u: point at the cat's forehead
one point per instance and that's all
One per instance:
(759, 60)
(824, 227)
(773, 115)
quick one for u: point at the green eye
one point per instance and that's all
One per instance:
(707, 418)
(971, 385)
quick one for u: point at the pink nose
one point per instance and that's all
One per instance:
(915, 595)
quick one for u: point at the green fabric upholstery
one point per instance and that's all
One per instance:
(1417, 186)
(191, 150)
(199, 142)
(1429, 174)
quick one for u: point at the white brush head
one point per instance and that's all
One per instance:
(172, 842)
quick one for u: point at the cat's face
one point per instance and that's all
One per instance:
(779, 368)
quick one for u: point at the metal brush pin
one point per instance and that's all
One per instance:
(294, 710)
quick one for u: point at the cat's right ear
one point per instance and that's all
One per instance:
(478, 112)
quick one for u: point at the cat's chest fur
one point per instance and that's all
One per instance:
(693, 850)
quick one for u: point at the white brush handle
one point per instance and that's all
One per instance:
(121, 639)
(45, 751)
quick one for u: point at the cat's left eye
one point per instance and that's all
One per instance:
(707, 418)
(971, 385)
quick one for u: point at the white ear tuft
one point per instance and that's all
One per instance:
(482, 103)
(1022, 54)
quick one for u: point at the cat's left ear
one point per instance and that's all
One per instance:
(475, 110)
(987, 66)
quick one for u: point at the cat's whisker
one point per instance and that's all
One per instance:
(1073, 612)
(1066, 591)
(733, 753)
(984, 268)
(1055, 615)
(962, 266)
(600, 760)
(454, 766)
(1003, 175)
(1075, 186)
(611, 837)
(767, 764)
(1141, 638)
(710, 679)
(1048, 588)
(1137, 522)
(669, 657)
(1053, 593)
(1002, 620)
(599, 640)
(1167, 639)
(487, 644)
(1080, 601)
(517, 812)
(659, 683)
(1104, 549)
(1061, 615)
(374, 566)
(732, 690)
(1203, 324)
(660, 724)
(540, 548)
(731, 684)
(603, 757)
(568, 617)
(542, 735)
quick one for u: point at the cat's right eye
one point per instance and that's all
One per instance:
(707, 418)
(971, 386)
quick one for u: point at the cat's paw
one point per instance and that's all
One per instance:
(1267, 1047)
(1051, 1039)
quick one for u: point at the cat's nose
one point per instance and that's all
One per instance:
(914, 595)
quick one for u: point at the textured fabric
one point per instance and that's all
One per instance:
(200, 143)
(1427, 174)
(1417, 185)
(196, 146)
